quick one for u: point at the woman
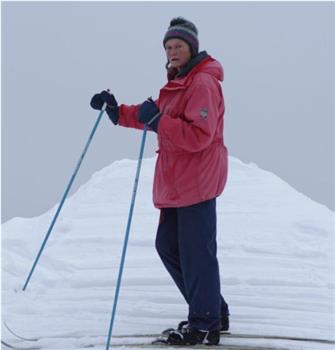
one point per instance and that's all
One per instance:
(191, 171)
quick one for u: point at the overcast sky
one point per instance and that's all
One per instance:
(279, 88)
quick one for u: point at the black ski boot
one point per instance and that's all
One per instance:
(184, 324)
(189, 336)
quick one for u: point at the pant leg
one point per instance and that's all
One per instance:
(199, 264)
(167, 246)
(224, 307)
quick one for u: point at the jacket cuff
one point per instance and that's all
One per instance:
(113, 114)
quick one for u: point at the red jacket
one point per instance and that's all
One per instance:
(192, 159)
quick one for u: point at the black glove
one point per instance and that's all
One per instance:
(112, 108)
(149, 114)
(98, 100)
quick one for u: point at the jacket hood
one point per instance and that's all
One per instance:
(212, 67)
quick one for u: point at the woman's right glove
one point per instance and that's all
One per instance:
(112, 108)
(149, 114)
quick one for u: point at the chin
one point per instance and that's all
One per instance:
(176, 66)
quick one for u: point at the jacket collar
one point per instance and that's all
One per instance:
(173, 73)
(192, 63)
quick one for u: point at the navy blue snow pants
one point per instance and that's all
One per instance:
(186, 243)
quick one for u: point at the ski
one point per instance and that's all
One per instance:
(16, 335)
(153, 346)
(199, 346)
(238, 336)
(165, 333)
(19, 347)
(158, 340)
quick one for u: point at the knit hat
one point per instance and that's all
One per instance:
(181, 28)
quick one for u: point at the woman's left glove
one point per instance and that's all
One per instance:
(112, 108)
(149, 114)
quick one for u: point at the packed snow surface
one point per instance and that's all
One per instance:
(275, 247)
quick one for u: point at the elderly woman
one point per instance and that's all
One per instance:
(191, 171)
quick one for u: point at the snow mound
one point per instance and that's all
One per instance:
(275, 246)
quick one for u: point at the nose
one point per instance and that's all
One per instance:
(173, 52)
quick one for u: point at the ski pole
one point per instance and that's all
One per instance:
(125, 244)
(64, 196)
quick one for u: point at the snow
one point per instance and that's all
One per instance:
(275, 247)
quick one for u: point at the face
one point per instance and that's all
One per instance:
(178, 52)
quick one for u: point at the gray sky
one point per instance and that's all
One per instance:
(279, 88)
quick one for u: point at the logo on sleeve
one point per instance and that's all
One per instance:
(203, 113)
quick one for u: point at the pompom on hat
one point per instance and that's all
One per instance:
(181, 28)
